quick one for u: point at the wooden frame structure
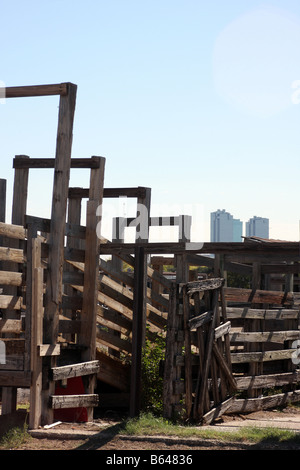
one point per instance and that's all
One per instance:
(67, 312)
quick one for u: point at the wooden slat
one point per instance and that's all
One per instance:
(73, 401)
(12, 254)
(222, 330)
(11, 302)
(204, 285)
(266, 336)
(261, 314)
(8, 278)
(268, 380)
(12, 231)
(10, 326)
(75, 370)
(49, 350)
(200, 320)
(251, 405)
(238, 358)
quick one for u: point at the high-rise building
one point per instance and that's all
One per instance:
(257, 227)
(224, 228)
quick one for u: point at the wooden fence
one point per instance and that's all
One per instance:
(240, 359)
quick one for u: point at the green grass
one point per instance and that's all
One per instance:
(149, 425)
(14, 438)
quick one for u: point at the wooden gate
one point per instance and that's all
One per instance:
(198, 364)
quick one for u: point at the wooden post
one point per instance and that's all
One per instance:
(137, 330)
(9, 394)
(91, 271)
(2, 208)
(56, 237)
(143, 237)
(2, 200)
(36, 335)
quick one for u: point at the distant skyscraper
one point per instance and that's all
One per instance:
(224, 228)
(257, 227)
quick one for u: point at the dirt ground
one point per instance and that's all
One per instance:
(103, 434)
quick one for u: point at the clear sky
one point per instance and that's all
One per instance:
(197, 100)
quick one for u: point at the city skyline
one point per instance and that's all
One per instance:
(225, 228)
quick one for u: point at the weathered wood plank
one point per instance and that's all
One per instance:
(238, 358)
(266, 336)
(262, 314)
(75, 370)
(218, 411)
(14, 255)
(11, 302)
(12, 231)
(222, 329)
(267, 381)
(251, 405)
(73, 401)
(10, 326)
(8, 278)
(49, 350)
(200, 320)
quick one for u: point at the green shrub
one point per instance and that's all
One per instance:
(152, 381)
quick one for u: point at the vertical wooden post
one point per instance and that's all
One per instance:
(2, 200)
(36, 334)
(2, 207)
(137, 330)
(9, 394)
(56, 237)
(143, 237)
(91, 271)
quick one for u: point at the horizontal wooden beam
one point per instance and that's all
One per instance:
(14, 255)
(264, 337)
(93, 162)
(11, 302)
(261, 314)
(8, 278)
(49, 349)
(75, 370)
(250, 405)
(36, 90)
(238, 358)
(83, 193)
(278, 250)
(73, 401)
(10, 326)
(268, 380)
(12, 231)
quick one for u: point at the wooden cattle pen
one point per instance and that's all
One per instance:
(73, 320)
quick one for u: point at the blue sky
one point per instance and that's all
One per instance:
(191, 98)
